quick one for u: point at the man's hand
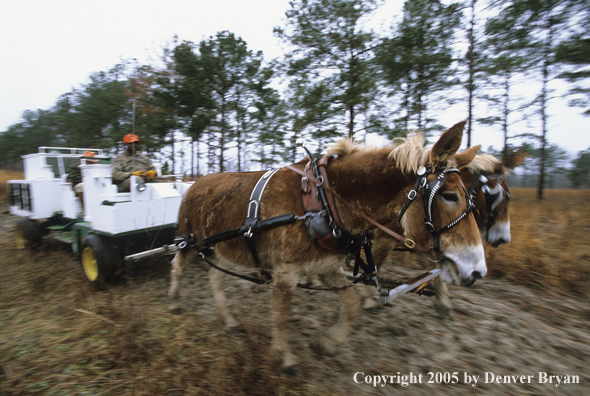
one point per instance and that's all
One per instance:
(150, 174)
(137, 173)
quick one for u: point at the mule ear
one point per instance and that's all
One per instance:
(464, 158)
(447, 145)
(514, 159)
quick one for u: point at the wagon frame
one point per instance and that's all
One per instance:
(110, 226)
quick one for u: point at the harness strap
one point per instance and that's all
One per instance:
(253, 214)
(420, 183)
(407, 242)
(268, 279)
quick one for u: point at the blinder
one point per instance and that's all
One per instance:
(495, 198)
(428, 193)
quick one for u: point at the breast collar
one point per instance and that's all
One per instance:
(428, 192)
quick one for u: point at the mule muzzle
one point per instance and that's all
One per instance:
(475, 275)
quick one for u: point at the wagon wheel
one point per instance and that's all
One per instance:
(98, 259)
(27, 234)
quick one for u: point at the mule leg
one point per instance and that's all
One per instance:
(442, 302)
(338, 333)
(382, 246)
(179, 265)
(369, 304)
(283, 287)
(216, 280)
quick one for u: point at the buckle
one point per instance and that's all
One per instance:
(410, 243)
(412, 195)
(430, 226)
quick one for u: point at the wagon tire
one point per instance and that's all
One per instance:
(28, 234)
(99, 260)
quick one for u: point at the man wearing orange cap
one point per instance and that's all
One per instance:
(131, 163)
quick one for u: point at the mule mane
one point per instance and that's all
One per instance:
(344, 147)
(408, 154)
(487, 163)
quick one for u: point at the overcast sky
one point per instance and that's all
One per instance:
(49, 47)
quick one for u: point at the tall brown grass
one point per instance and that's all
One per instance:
(550, 244)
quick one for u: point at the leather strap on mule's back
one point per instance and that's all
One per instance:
(323, 222)
(253, 214)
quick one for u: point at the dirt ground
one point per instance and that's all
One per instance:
(60, 336)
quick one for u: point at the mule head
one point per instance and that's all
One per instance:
(492, 196)
(446, 207)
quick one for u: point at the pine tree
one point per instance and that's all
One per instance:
(417, 61)
(330, 64)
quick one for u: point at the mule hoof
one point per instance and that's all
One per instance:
(292, 371)
(176, 310)
(234, 330)
(443, 310)
(374, 309)
(322, 348)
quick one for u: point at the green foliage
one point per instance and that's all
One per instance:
(579, 175)
(218, 92)
(236, 84)
(417, 60)
(574, 54)
(330, 64)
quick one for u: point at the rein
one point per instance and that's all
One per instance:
(406, 241)
(339, 238)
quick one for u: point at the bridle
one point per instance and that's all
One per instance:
(428, 192)
(496, 198)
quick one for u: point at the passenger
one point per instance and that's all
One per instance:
(75, 175)
(131, 163)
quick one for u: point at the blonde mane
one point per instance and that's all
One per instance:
(410, 154)
(487, 163)
(348, 146)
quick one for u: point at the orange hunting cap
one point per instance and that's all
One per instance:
(130, 138)
(89, 154)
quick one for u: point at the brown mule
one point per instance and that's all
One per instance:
(491, 200)
(368, 181)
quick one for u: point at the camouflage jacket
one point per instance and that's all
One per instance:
(75, 175)
(124, 164)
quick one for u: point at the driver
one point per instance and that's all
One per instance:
(131, 163)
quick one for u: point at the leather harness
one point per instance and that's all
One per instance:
(321, 217)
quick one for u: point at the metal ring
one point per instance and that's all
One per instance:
(410, 243)
(412, 195)
(319, 181)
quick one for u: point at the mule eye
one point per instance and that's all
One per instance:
(451, 197)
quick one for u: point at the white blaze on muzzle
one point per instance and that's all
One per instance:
(470, 264)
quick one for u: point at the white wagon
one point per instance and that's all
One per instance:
(113, 226)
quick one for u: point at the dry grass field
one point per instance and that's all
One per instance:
(550, 244)
(58, 336)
